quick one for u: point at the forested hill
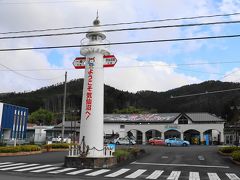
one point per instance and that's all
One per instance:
(51, 98)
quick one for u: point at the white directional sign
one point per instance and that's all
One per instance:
(79, 62)
(108, 61)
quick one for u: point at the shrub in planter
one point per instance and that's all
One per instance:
(121, 154)
(236, 155)
(229, 149)
(24, 148)
(56, 146)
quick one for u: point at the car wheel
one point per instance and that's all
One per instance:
(117, 143)
(184, 144)
(168, 144)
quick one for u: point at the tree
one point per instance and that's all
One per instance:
(41, 117)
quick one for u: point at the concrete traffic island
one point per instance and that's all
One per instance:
(89, 162)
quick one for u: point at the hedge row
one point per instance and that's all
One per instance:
(124, 154)
(229, 149)
(56, 146)
(23, 148)
(236, 155)
(234, 151)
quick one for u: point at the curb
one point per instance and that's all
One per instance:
(224, 154)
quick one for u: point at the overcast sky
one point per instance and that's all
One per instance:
(156, 66)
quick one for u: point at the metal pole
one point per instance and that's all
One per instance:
(64, 106)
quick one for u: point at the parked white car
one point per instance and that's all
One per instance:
(59, 139)
(125, 141)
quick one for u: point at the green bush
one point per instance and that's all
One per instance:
(23, 148)
(57, 146)
(229, 149)
(236, 155)
(128, 153)
(121, 154)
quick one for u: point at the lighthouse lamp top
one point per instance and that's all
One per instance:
(95, 32)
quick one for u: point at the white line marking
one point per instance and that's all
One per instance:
(95, 173)
(232, 176)
(188, 165)
(79, 171)
(174, 175)
(16, 164)
(61, 170)
(18, 167)
(194, 176)
(117, 173)
(155, 174)
(136, 173)
(46, 169)
(5, 163)
(32, 168)
(201, 158)
(213, 176)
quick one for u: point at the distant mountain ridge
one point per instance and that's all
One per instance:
(221, 104)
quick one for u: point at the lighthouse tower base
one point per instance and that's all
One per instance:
(89, 162)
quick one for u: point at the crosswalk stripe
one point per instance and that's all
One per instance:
(117, 173)
(61, 170)
(136, 173)
(46, 169)
(8, 165)
(213, 176)
(5, 163)
(32, 168)
(194, 176)
(232, 176)
(174, 175)
(79, 171)
(155, 174)
(18, 167)
(95, 173)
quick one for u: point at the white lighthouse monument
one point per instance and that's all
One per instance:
(96, 57)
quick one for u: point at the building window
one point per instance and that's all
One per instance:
(182, 120)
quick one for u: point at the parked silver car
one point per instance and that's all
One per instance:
(125, 141)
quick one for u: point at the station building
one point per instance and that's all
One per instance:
(13, 122)
(197, 128)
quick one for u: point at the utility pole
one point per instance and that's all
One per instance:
(64, 106)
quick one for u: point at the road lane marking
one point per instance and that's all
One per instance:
(174, 175)
(61, 170)
(232, 176)
(155, 174)
(201, 158)
(18, 167)
(15, 164)
(187, 165)
(213, 176)
(194, 176)
(117, 173)
(95, 173)
(46, 169)
(136, 173)
(5, 163)
(79, 171)
(32, 168)
(164, 157)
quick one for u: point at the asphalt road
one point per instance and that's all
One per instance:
(194, 162)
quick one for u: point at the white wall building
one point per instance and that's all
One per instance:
(198, 128)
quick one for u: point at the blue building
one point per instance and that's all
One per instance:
(13, 121)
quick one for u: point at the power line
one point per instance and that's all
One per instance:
(121, 29)
(204, 93)
(122, 43)
(29, 77)
(124, 23)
